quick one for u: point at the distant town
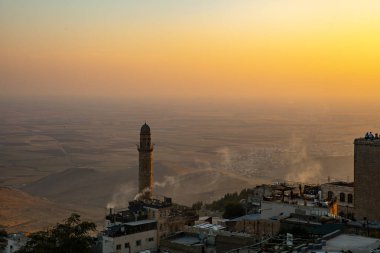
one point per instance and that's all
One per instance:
(336, 216)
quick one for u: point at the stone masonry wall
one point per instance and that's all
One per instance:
(145, 172)
(367, 179)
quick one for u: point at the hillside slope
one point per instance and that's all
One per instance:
(20, 211)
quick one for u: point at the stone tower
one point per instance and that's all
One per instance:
(367, 179)
(145, 162)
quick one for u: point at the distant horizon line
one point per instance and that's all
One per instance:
(192, 99)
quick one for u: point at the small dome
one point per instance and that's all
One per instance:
(145, 129)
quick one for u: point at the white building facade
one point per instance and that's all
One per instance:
(131, 237)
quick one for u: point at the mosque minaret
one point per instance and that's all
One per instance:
(145, 162)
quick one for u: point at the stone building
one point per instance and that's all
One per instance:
(257, 227)
(145, 163)
(169, 218)
(367, 178)
(344, 194)
(130, 237)
(147, 219)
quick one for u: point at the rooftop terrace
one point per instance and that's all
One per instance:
(130, 228)
(340, 183)
(152, 203)
(364, 141)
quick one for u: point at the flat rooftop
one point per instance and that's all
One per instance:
(152, 203)
(340, 183)
(139, 222)
(303, 221)
(251, 217)
(371, 224)
(187, 240)
(129, 228)
(355, 243)
(209, 226)
(363, 141)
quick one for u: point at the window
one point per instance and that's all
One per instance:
(342, 197)
(138, 243)
(118, 247)
(349, 198)
(126, 245)
(150, 239)
(330, 195)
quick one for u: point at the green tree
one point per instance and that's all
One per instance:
(3, 239)
(229, 198)
(197, 205)
(72, 236)
(233, 210)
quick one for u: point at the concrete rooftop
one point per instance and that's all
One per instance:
(355, 243)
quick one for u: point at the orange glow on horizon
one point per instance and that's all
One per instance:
(270, 48)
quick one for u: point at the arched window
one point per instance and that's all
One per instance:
(349, 198)
(342, 197)
(330, 195)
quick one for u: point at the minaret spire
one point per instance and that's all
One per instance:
(145, 162)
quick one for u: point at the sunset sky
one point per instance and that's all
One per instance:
(325, 49)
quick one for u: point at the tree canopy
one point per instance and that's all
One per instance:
(229, 198)
(3, 240)
(197, 205)
(72, 236)
(233, 210)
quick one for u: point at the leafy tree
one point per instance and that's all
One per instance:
(229, 198)
(197, 205)
(72, 236)
(3, 240)
(225, 200)
(3, 233)
(233, 210)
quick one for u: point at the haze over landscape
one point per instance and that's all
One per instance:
(82, 155)
(236, 94)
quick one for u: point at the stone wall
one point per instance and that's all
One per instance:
(128, 243)
(367, 179)
(146, 173)
(344, 206)
(168, 223)
(173, 247)
(257, 227)
(180, 248)
(226, 243)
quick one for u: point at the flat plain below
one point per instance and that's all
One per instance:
(83, 155)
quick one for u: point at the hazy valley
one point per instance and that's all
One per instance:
(70, 156)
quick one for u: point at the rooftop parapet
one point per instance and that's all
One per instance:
(130, 228)
(364, 141)
(341, 183)
(152, 203)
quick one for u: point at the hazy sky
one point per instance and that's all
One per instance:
(293, 49)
